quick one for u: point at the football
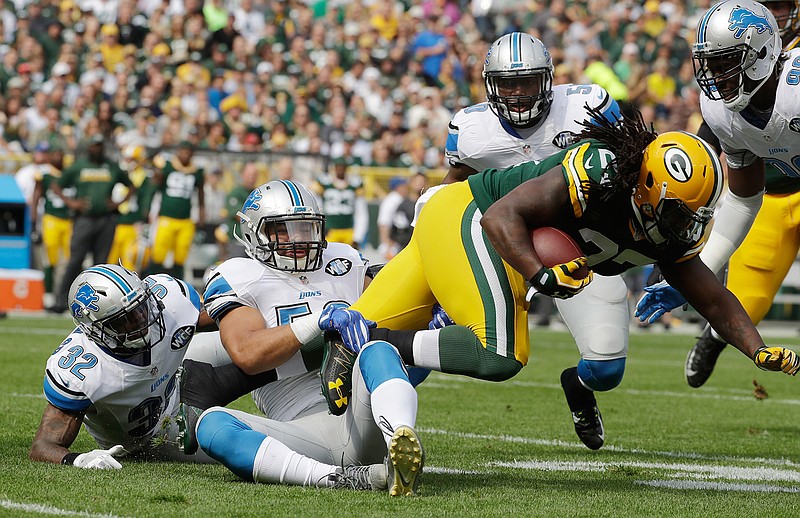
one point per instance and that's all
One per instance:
(554, 246)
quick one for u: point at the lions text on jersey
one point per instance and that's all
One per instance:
(126, 401)
(481, 140)
(281, 297)
(777, 142)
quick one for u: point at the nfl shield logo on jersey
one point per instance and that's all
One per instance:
(338, 267)
(794, 124)
(526, 149)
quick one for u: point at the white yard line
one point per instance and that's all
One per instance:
(704, 394)
(49, 509)
(719, 486)
(681, 470)
(611, 447)
(33, 331)
(35, 396)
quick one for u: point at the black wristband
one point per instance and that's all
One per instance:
(536, 280)
(69, 458)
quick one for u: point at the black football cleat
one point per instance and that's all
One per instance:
(336, 373)
(702, 358)
(583, 407)
(589, 427)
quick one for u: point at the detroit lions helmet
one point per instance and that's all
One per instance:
(680, 181)
(282, 227)
(789, 19)
(735, 51)
(518, 74)
(116, 309)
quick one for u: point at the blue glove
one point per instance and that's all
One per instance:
(351, 326)
(440, 318)
(658, 299)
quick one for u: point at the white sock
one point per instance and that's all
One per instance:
(394, 404)
(276, 463)
(426, 349)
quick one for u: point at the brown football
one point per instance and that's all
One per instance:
(554, 246)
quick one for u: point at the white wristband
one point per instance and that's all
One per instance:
(306, 328)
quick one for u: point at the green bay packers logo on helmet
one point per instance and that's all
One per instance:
(678, 164)
(679, 183)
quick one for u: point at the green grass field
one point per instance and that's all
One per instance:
(492, 449)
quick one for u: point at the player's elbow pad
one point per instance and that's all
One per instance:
(731, 225)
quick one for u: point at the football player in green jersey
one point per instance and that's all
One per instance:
(625, 195)
(177, 179)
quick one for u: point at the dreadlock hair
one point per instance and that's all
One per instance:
(626, 136)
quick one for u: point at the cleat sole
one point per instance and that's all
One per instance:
(407, 457)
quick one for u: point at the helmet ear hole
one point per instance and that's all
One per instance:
(649, 182)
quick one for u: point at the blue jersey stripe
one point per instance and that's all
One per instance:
(216, 287)
(111, 274)
(191, 294)
(451, 144)
(58, 400)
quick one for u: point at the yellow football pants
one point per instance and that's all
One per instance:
(130, 248)
(758, 267)
(172, 235)
(450, 260)
(56, 234)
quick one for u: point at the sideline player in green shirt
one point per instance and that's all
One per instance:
(95, 220)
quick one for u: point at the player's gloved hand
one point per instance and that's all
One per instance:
(100, 459)
(777, 359)
(36, 237)
(350, 324)
(658, 299)
(558, 282)
(440, 318)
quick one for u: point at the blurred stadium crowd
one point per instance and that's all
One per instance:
(292, 86)
(306, 77)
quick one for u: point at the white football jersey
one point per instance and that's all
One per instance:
(779, 142)
(281, 297)
(481, 140)
(126, 401)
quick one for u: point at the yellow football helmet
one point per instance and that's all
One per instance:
(680, 181)
(132, 156)
(789, 18)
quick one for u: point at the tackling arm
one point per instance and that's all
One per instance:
(253, 347)
(737, 214)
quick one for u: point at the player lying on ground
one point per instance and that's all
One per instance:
(117, 371)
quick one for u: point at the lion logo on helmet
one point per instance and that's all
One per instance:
(86, 298)
(251, 203)
(742, 19)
